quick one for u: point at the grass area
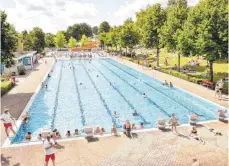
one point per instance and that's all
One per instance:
(6, 86)
(220, 68)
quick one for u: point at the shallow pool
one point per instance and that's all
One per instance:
(83, 93)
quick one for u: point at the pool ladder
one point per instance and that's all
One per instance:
(101, 98)
(151, 101)
(56, 98)
(78, 96)
(124, 98)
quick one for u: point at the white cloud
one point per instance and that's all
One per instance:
(50, 15)
(129, 9)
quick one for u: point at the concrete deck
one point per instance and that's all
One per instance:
(18, 97)
(146, 149)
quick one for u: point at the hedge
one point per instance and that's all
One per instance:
(6, 86)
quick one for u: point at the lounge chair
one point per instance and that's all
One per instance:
(88, 130)
(161, 124)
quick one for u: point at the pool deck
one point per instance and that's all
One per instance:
(146, 149)
(188, 86)
(17, 98)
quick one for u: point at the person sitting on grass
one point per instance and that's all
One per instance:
(76, 133)
(28, 136)
(195, 135)
(68, 134)
(114, 130)
(97, 130)
(165, 83)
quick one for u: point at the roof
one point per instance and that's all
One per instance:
(25, 54)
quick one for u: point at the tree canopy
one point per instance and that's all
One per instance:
(104, 27)
(8, 40)
(95, 30)
(77, 30)
(72, 42)
(38, 39)
(60, 40)
(49, 40)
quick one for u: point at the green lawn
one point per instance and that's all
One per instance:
(220, 68)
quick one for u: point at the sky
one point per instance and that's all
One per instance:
(54, 15)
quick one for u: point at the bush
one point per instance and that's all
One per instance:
(21, 70)
(6, 86)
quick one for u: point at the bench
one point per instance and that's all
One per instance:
(208, 84)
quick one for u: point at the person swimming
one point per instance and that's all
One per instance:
(135, 113)
(165, 83)
(144, 95)
(115, 114)
(170, 84)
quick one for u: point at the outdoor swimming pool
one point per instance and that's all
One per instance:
(107, 86)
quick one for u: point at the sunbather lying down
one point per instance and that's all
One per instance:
(216, 132)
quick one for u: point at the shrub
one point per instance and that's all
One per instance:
(6, 86)
(21, 70)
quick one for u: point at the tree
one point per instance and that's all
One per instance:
(114, 36)
(49, 40)
(206, 32)
(83, 40)
(86, 29)
(104, 27)
(60, 40)
(72, 42)
(176, 16)
(150, 23)
(38, 39)
(129, 36)
(95, 30)
(77, 30)
(8, 41)
(102, 39)
(27, 41)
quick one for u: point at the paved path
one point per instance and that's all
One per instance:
(17, 98)
(189, 86)
(146, 149)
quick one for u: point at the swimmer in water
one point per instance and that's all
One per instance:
(135, 113)
(115, 114)
(144, 95)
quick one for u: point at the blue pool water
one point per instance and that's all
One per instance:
(67, 105)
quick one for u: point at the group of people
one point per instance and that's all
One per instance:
(167, 84)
